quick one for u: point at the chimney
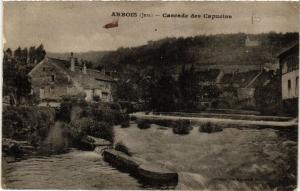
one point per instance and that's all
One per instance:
(72, 62)
(84, 68)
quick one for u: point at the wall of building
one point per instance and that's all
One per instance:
(290, 91)
(49, 82)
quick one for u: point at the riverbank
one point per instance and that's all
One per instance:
(235, 159)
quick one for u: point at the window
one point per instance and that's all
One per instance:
(44, 69)
(289, 84)
(104, 95)
(52, 78)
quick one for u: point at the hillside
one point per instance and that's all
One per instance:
(221, 51)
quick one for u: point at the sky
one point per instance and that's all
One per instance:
(78, 26)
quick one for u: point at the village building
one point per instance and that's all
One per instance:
(52, 79)
(289, 69)
(251, 42)
(237, 89)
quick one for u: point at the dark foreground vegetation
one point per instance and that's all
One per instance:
(76, 124)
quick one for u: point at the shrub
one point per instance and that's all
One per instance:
(133, 118)
(115, 106)
(125, 124)
(122, 148)
(27, 123)
(210, 128)
(143, 124)
(182, 127)
(102, 130)
(125, 121)
(80, 128)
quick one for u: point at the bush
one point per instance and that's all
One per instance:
(182, 127)
(125, 124)
(143, 124)
(66, 113)
(27, 123)
(115, 106)
(87, 126)
(80, 128)
(210, 128)
(102, 130)
(125, 121)
(133, 118)
(122, 148)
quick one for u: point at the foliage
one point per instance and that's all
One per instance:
(16, 66)
(144, 67)
(182, 127)
(87, 126)
(102, 130)
(268, 97)
(27, 123)
(210, 128)
(160, 91)
(188, 87)
(143, 124)
(125, 91)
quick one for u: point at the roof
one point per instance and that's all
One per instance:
(91, 80)
(240, 78)
(288, 49)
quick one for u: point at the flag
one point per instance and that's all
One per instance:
(112, 24)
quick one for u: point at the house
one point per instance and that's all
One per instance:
(238, 88)
(289, 70)
(250, 42)
(52, 79)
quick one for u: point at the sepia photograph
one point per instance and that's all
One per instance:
(173, 95)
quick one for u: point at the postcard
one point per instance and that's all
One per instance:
(110, 95)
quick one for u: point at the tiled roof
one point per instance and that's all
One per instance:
(241, 78)
(91, 80)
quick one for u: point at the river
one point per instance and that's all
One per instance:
(73, 170)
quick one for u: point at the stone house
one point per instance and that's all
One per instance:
(238, 88)
(289, 70)
(52, 79)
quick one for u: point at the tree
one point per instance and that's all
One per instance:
(9, 52)
(40, 53)
(24, 56)
(23, 86)
(18, 54)
(125, 91)
(188, 87)
(32, 54)
(209, 91)
(159, 93)
(268, 97)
